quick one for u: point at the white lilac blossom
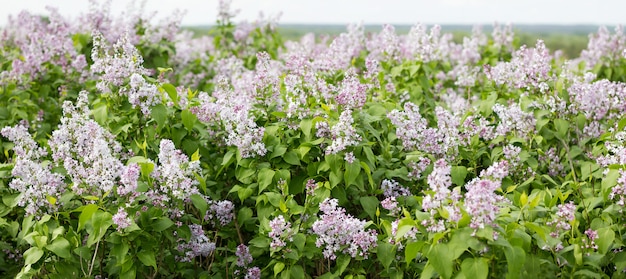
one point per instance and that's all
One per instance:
(412, 129)
(440, 196)
(198, 245)
(481, 201)
(555, 167)
(114, 63)
(352, 93)
(337, 232)
(529, 69)
(417, 168)
(598, 101)
(174, 174)
(234, 112)
(33, 179)
(514, 120)
(391, 188)
(88, 152)
(564, 216)
(128, 180)
(280, 232)
(343, 134)
(220, 212)
(121, 219)
(604, 47)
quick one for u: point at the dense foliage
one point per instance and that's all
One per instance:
(132, 149)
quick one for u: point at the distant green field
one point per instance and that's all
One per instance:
(571, 39)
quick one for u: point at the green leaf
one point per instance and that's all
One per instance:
(411, 250)
(440, 258)
(605, 239)
(515, 258)
(189, 119)
(561, 126)
(352, 172)
(161, 224)
(99, 112)
(386, 253)
(475, 268)
(200, 203)
(32, 255)
(100, 223)
(171, 92)
(278, 267)
(299, 240)
(60, 246)
(292, 158)
(85, 215)
(264, 178)
(342, 262)
(305, 126)
(370, 204)
(458, 174)
(147, 258)
(159, 114)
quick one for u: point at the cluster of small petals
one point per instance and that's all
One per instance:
(384, 45)
(604, 46)
(142, 94)
(114, 64)
(234, 112)
(511, 154)
(481, 201)
(555, 167)
(198, 245)
(343, 133)
(128, 180)
(280, 231)
(412, 129)
(503, 36)
(619, 190)
(175, 173)
(341, 232)
(121, 219)
(88, 152)
(514, 120)
(352, 93)
(598, 101)
(34, 180)
(392, 188)
(42, 43)
(565, 214)
(590, 242)
(423, 46)
(222, 212)
(243, 256)
(349, 157)
(342, 50)
(391, 204)
(417, 168)
(529, 69)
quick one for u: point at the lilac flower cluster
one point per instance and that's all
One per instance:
(597, 100)
(343, 133)
(199, 245)
(341, 232)
(481, 201)
(391, 188)
(244, 259)
(41, 43)
(619, 190)
(128, 180)
(565, 215)
(590, 241)
(121, 219)
(441, 197)
(604, 46)
(417, 168)
(32, 178)
(555, 167)
(514, 120)
(529, 69)
(280, 231)
(234, 113)
(174, 175)
(88, 152)
(222, 212)
(352, 93)
(412, 129)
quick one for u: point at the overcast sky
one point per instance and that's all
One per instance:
(198, 12)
